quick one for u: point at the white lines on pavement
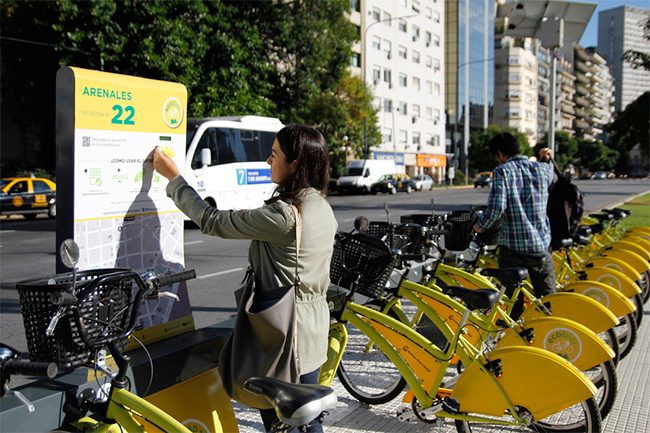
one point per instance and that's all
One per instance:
(193, 242)
(221, 273)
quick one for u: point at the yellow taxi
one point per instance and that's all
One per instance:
(27, 196)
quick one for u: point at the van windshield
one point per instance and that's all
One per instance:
(353, 171)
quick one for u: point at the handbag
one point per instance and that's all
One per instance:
(263, 342)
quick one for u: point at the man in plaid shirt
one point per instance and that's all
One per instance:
(518, 197)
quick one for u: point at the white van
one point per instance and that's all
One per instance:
(226, 159)
(359, 175)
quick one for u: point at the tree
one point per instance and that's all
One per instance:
(630, 130)
(640, 59)
(595, 156)
(341, 114)
(480, 157)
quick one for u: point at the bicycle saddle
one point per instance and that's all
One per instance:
(295, 404)
(618, 213)
(584, 230)
(581, 240)
(602, 216)
(559, 243)
(507, 276)
(474, 298)
(596, 228)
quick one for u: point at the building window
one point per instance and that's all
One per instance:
(416, 110)
(428, 12)
(513, 94)
(416, 57)
(530, 98)
(388, 105)
(513, 60)
(436, 40)
(355, 60)
(429, 139)
(376, 42)
(436, 115)
(402, 108)
(528, 64)
(530, 81)
(513, 78)
(429, 87)
(436, 64)
(529, 114)
(387, 135)
(401, 25)
(428, 61)
(388, 19)
(376, 14)
(436, 89)
(402, 52)
(416, 83)
(376, 74)
(436, 16)
(429, 112)
(436, 139)
(402, 136)
(416, 33)
(416, 138)
(387, 76)
(402, 80)
(355, 5)
(388, 46)
(416, 6)
(512, 112)
(427, 38)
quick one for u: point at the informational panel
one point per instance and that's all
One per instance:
(110, 199)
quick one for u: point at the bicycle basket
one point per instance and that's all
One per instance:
(458, 229)
(417, 241)
(489, 236)
(423, 219)
(381, 230)
(105, 311)
(363, 255)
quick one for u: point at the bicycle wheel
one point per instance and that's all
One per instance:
(637, 300)
(626, 332)
(366, 372)
(605, 379)
(610, 338)
(582, 417)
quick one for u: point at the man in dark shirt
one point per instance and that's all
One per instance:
(518, 197)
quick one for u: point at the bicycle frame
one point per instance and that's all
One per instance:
(480, 388)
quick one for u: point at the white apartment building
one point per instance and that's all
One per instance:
(621, 29)
(401, 58)
(516, 86)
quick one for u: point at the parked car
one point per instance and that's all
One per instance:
(483, 179)
(600, 175)
(27, 196)
(422, 181)
(587, 175)
(392, 183)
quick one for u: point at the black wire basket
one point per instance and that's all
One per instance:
(382, 230)
(105, 310)
(365, 256)
(423, 219)
(458, 227)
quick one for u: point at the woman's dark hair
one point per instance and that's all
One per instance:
(504, 142)
(307, 146)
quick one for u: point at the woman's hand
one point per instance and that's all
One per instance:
(164, 164)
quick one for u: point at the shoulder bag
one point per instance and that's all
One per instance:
(263, 342)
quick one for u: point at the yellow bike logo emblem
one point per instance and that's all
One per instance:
(597, 295)
(563, 342)
(173, 112)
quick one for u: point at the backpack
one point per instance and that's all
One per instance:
(566, 205)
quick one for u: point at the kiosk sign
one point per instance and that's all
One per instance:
(112, 201)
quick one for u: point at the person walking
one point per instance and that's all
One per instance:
(300, 167)
(519, 198)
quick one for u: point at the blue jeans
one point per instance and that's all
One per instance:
(269, 416)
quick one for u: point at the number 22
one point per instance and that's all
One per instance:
(128, 120)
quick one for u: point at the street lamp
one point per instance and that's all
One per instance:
(363, 72)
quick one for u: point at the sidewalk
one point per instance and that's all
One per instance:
(631, 412)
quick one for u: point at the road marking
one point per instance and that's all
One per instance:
(193, 242)
(221, 273)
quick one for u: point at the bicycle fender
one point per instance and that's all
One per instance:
(638, 263)
(625, 245)
(609, 297)
(576, 307)
(463, 278)
(642, 241)
(568, 339)
(614, 263)
(611, 277)
(642, 231)
(536, 379)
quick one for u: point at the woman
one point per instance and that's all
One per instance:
(300, 167)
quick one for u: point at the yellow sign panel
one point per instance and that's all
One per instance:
(113, 102)
(424, 160)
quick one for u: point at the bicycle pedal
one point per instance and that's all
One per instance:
(451, 405)
(405, 414)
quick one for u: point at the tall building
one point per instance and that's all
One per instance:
(621, 29)
(400, 56)
(469, 80)
(594, 95)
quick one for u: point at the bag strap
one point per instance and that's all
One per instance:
(296, 278)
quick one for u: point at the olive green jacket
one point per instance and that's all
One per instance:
(272, 254)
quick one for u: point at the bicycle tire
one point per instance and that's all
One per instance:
(609, 337)
(637, 300)
(605, 378)
(589, 421)
(626, 333)
(367, 374)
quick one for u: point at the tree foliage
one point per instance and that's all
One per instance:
(631, 127)
(480, 157)
(566, 148)
(271, 58)
(595, 156)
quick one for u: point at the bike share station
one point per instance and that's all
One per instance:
(114, 205)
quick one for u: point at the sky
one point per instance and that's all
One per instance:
(590, 36)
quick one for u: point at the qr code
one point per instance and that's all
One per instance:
(85, 141)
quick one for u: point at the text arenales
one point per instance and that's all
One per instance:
(98, 92)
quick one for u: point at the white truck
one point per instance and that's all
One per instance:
(359, 175)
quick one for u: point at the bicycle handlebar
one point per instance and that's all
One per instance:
(27, 368)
